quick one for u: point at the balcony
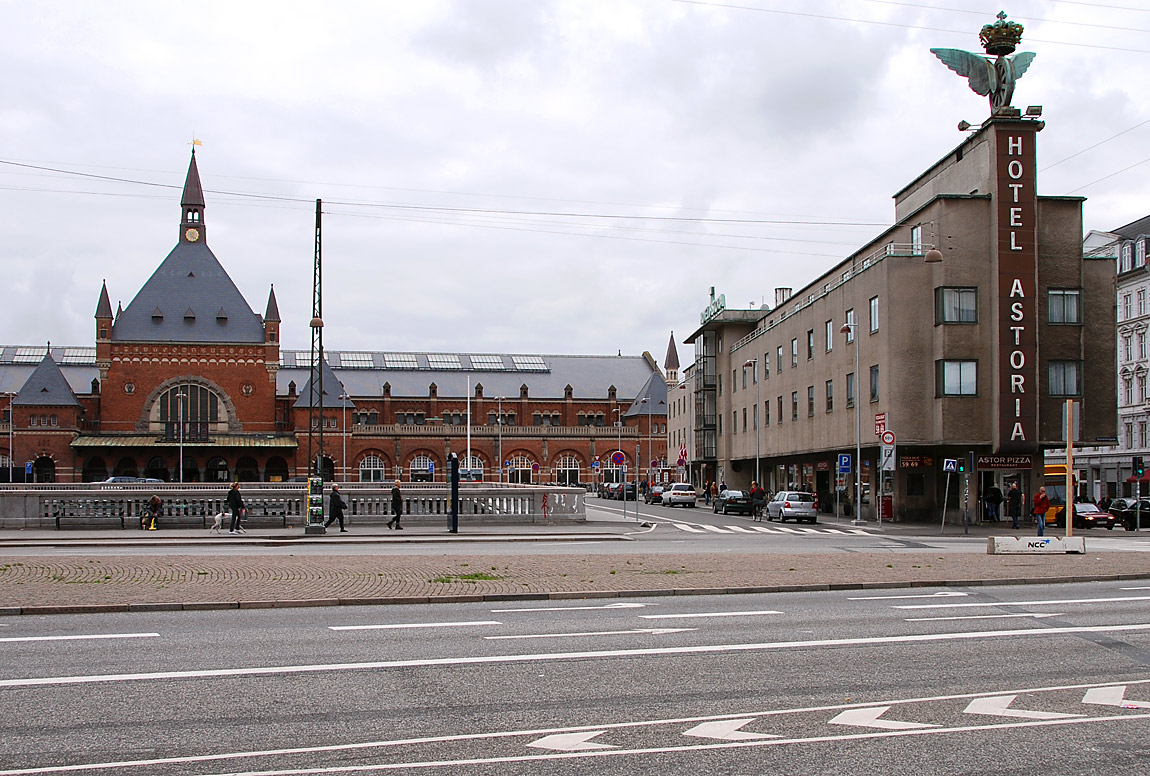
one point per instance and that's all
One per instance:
(570, 432)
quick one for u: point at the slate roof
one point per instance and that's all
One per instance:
(104, 306)
(273, 310)
(332, 390)
(671, 361)
(1133, 230)
(655, 392)
(46, 387)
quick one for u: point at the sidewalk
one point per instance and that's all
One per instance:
(102, 581)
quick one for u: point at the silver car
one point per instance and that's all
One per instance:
(682, 493)
(792, 505)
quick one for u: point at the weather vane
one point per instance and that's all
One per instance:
(994, 78)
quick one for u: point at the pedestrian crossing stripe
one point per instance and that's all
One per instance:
(775, 529)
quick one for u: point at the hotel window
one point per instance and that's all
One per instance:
(1062, 305)
(874, 383)
(1127, 256)
(1141, 345)
(810, 344)
(779, 359)
(767, 413)
(1128, 390)
(735, 422)
(830, 395)
(810, 401)
(1141, 383)
(957, 378)
(795, 352)
(916, 239)
(956, 305)
(851, 389)
(1129, 434)
(850, 329)
(1126, 309)
(794, 405)
(1127, 353)
(1141, 433)
(1142, 301)
(744, 419)
(1140, 253)
(780, 421)
(1065, 378)
(873, 314)
(829, 333)
(767, 366)
(755, 418)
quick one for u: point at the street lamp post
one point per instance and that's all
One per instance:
(180, 412)
(623, 479)
(499, 422)
(850, 329)
(343, 397)
(754, 364)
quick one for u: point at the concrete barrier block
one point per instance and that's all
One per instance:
(1035, 545)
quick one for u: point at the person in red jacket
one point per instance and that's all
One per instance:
(1041, 505)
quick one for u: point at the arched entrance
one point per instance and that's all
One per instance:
(44, 469)
(95, 470)
(277, 469)
(372, 469)
(247, 470)
(217, 470)
(520, 471)
(126, 467)
(422, 469)
(567, 470)
(157, 469)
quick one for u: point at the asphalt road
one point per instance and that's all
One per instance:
(1010, 680)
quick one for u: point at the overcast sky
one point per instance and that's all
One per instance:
(528, 176)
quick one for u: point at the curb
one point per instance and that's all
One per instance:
(556, 596)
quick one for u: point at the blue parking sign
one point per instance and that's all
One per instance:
(844, 463)
(27, 467)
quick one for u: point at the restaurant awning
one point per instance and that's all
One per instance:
(1145, 478)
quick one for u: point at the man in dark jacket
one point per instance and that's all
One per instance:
(236, 504)
(1014, 503)
(396, 507)
(336, 505)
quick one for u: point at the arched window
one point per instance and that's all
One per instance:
(372, 469)
(200, 406)
(421, 469)
(567, 470)
(471, 469)
(216, 471)
(520, 470)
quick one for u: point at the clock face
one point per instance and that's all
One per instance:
(192, 235)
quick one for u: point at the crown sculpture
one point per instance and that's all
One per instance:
(994, 78)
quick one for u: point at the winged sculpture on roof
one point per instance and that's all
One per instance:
(994, 78)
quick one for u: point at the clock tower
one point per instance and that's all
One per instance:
(192, 204)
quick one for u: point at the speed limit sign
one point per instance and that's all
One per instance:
(888, 437)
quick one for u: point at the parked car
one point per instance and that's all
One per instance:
(654, 495)
(680, 493)
(1127, 511)
(733, 501)
(1087, 515)
(608, 489)
(626, 492)
(793, 505)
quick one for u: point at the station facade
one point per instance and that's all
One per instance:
(188, 383)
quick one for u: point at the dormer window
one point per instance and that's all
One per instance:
(189, 316)
(157, 315)
(222, 316)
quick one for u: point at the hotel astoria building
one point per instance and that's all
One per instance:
(189, 374)
(960, 332)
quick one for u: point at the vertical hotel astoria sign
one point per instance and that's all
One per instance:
(1017, 238)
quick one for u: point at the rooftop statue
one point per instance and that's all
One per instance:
(994, 78)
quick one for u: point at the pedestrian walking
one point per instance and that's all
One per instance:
(396, 507)
(1014, 503)
(707, 492)
(155, 509)
(336, 505)
(1041, 506)
(236, 504)
(993, 499)
(714, 490)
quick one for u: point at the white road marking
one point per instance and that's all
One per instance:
(784, 529)
(1028, 603)
(869, 717)
(555, 656)
(632, 725)
(704, 614)
(940, 594)
(81, 637)
(623, 605)
(571, 742)
(984, 617)
(1134, 588)
(999, 706)
(711, 528)
(738, 529)
(685, 527)
(764, 529)
(405, 625)
(1113, 696)
(727, 730)
(650, 631)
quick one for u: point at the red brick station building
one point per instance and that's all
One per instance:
(189, 352)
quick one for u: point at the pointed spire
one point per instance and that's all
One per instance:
(193, 192)
(46, 387)
(671, 362)
(104, 306)
(273, 311)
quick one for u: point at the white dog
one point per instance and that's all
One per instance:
(217, 522)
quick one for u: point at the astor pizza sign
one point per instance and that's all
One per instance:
(1017, 238)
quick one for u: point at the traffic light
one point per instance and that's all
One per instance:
(1139, 469)
(961, 465)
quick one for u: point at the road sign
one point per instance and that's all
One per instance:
(618, 458)
(431, 467)
(844, 463)
(886, 462)
(535, 468)
(27, 467)
(879, 423)
(594, 464)
(950, 464)
(888, 437)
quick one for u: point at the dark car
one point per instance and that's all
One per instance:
(733, 501)
(608, 490)
(1128, 511)
(1087, 515)
(654, 495)
(626, 492)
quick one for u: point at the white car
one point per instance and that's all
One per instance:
(680, 493)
